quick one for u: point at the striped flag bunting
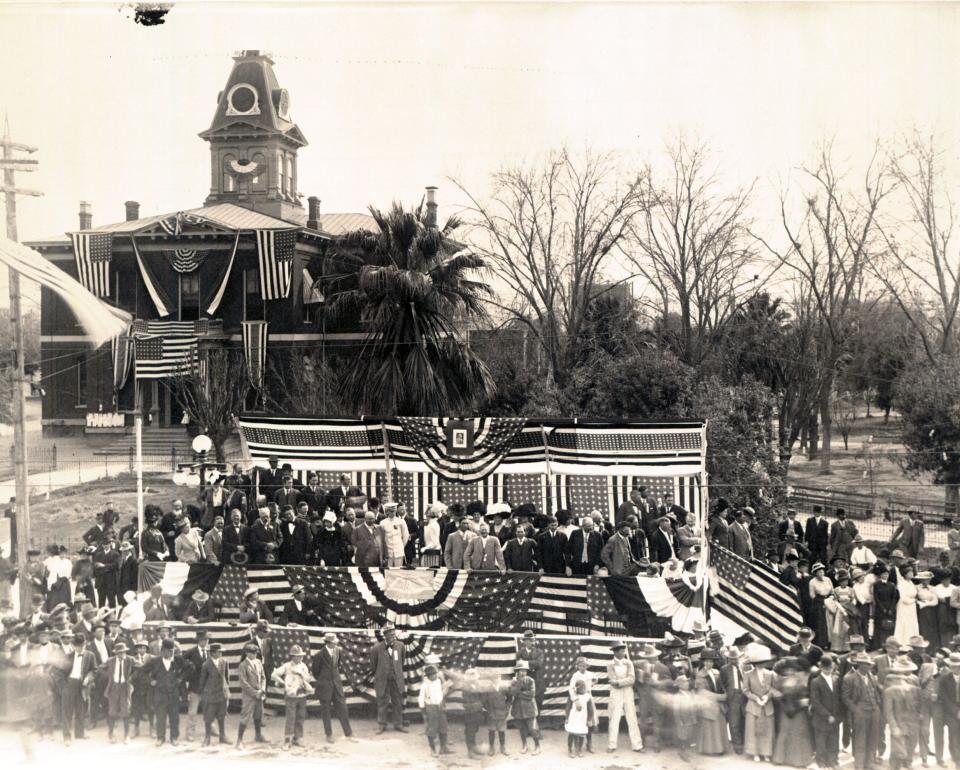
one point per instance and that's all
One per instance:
(218, 287)
(185, 260)
(161, 300)
(101, 321)
(570, 447)
(121, 349)
(255, 350)
(489, 439)
(275, 250)
(493, 655)
(93, 253)
(750, 595)
(173, 224)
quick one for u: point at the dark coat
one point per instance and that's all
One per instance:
(551, 550)
(295, 547)
(660, 543)
(817, 538)
(824, 701)
(331, 547)
(260, 536)
(784, 525)
(127, 575)
(305, 616)
(166, 684)
(328, 678)
(211, 682)
(385, 667)
(196, 662)
(520, 558)
(314, 498)
(575, 552)
(232, 537)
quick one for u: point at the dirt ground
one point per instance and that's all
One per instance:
(390, 751)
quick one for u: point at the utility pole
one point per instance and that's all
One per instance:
(10, 166)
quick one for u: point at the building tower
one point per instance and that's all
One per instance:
(254, 142)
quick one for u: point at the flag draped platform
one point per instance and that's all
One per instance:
(441, 600)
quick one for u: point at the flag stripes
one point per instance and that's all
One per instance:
(255, 350)
(275, 251)
(161, 357)
(93, 253)
(750, 594)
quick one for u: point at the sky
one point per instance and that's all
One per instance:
(394, 97)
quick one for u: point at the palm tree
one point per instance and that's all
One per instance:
(410, 283)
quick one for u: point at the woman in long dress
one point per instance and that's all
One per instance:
(927, 611)
(907, 624)
(820, 588)
(842, 613)
(947, 594)
(794, 743)
(759, 724)
(711, 720)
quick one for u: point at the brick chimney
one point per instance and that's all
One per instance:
(313, 212)
(86, 215)
(133, 210)
(431, 217)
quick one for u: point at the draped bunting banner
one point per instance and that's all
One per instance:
(574, 447)
(493, 655)
(469, 450)
(185, 260)
(219, 286)
(160, 299)
(255, 351)
(122, 351)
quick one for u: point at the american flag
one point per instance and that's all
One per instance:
(750, 594)
(161, 357)
(493, 438)
(173, 224)
(255, 350)
(93, 252)
(275, 249)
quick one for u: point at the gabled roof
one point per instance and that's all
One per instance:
(228, 216)
(340, 224)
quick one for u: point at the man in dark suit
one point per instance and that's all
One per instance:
(520, 554)
(817, 536)
(286, 495)
(386, 662)
(584, 547)
(269, 480)
(638, 538)
(862, 702)
(909, 535)
(106, 571)
(328, 678)
(551, 547)
(663, 542)
(313, 495)
(948, 696)
(718, 531)
(635, 506)
(825, 712)
(297, 610)
(76, 676)
(842, 532)
(368, 542)
(741, 541)
(214, 693)
(94, 535)
(336, 496)
(127, 569)
(296, 541)
(808, 653)
(731, 674)
(790, 523)
(196, 657)
(235, 536)
(167, 674)
(264, 539)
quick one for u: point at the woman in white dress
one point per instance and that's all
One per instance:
(907, 624)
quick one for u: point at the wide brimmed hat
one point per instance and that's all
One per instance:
(296, 650)
(919, 642)
(670, 642)
(859, 658)
(805, 633)
(817, 566)
(119, 647)
(251, 590)
(200, 596)
(902, 667)
(856, 573)
(648, 652)
(744, 639)
(522, 665)
(330, 638)
(791, 662)
(296, 589)
(856, 639)
(709, 655)
(618, 646)
(954, 659)
(330, 516)
(925, 575)
(858, 538)
(760, 654)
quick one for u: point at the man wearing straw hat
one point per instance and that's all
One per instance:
(622, 676)
(901, 707)
(297, 682)
(862, 701)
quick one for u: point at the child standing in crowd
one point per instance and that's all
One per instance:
(583, 675)
(253, 691)
(497, 706)
(580, 715)
(297, 682)
(433, 693)
(523, 692)
(473, 711)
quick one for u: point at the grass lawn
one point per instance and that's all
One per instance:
(69, 512)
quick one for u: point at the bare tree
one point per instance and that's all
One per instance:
(920, 267)
(829, 247)
(301, 381)
(548, 231)
(694, 247)
(212, 390)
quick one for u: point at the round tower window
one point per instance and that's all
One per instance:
(243, 99)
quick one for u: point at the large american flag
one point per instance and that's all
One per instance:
(93, 252)
(750, 594)
(158, 357)
(255, 350)
(275, 250)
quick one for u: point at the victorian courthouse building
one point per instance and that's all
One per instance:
(245, 270)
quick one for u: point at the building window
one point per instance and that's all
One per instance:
(229, 183)
(289, 162)
(82, 381)
(258, 182)
(189, 296)
(281, 171)
(252, 300)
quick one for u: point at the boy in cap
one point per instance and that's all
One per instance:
(523, 691)
(214, 693)
(433, 693)
(253, 691)
(297, 682)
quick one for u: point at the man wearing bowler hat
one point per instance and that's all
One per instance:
(329, 686)
(167, 675)
(214, 693)
(386, 661)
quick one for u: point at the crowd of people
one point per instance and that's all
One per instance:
(691, 694)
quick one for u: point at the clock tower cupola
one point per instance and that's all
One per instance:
(254, 142)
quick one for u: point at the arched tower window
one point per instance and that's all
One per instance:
(258, 181)
(229, 182)
(289, 175)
